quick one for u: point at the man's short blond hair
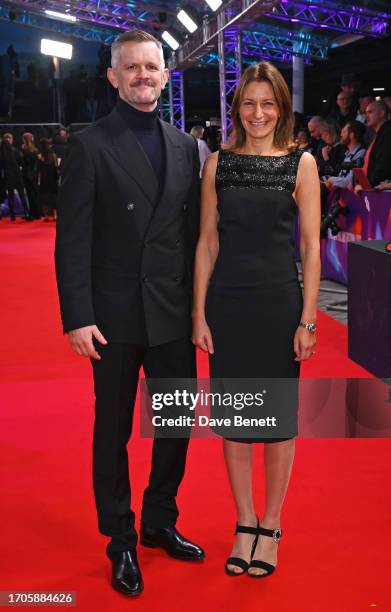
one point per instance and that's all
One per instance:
(138, 36)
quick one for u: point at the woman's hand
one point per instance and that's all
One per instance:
(304, 344)
(202, 336)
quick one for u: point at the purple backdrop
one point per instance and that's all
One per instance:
(368, 218)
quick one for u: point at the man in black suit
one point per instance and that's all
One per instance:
(128, 215)
(378, 160)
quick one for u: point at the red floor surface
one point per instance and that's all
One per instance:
(334, 553)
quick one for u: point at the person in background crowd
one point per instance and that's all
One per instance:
(352, 135)
(61, 145)
(377, 162)
(12, 176)
(349, 88)
(345, 110)
(387, 101)
(48, 179)
(29, 156)
(315, 126)
(350, 85)
(303, 139)
(365, 98)
(203, 150)
(300, 123)
(3, 192)
(333, 151)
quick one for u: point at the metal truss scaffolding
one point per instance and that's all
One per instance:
(332, 15)
(165, 107)
(84, 31)
(285, 43)
(177, 102)
(230, 69)
(279, 42)
(275, 30)
(118, 14)
(233, 15)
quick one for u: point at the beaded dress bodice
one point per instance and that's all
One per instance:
(235, 170)
(256, 217)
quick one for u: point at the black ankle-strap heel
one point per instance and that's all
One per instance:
(268, 567)
(237, 560)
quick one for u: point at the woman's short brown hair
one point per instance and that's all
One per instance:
(264, 72)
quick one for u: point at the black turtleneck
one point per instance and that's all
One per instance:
(146, 128)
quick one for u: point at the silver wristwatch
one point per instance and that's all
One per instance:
(310, 326)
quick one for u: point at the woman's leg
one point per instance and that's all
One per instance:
(239, 462)
(278, 461)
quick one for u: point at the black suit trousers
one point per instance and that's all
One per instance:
(115, 384)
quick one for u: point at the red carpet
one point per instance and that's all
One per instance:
(334, 554)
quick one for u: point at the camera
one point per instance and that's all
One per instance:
(329, 222)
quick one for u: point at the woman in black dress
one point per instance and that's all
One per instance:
(29, 157)
(249, 312)
(48, 172)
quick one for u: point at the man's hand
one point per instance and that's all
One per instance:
(81, 341)
(325, 152)
(358, 189)
(383, 185)
(329, 183)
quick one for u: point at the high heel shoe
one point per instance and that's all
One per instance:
(268, 567)
(237, 560)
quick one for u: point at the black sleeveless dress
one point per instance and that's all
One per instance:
(254, 299)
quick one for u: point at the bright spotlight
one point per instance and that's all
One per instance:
(214, 4)
(170, 40)
(187, 21)
(56, 48)
(57, 15)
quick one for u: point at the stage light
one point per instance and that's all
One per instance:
(57, 15)
(187, 21)
(56, 48)
(388, 247)
(170, 40)
(214, 4)
(379, 89)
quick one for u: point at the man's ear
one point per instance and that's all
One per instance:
(166, 76)
(112, 77)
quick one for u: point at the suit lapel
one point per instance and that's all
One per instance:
(176, 171)
(131, 157)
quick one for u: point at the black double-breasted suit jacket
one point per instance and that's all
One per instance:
(124, 252)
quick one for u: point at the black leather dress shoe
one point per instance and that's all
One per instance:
(171, 541)
(126, 577)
